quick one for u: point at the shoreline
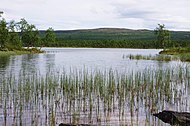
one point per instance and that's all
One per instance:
(20, 52)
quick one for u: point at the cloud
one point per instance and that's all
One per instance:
(128, 13)
(152, 12)
(75, 14)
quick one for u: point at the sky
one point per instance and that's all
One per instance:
(89, 14)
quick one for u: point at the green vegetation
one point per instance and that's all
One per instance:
(106, 43)
(50, 38)
(3, 33)
(93, 97)
(185, 57)
(6, 52)
(15, 35)
(150, 57)
(105, 34)
(182, 53)
(163, 36)
(29, 33)
(170, 54)
(116, 38)
(163, 41)
(177, 50)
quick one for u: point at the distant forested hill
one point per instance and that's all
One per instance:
(114, 34)
(114, 37)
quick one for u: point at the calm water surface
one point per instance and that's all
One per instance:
(81, 58)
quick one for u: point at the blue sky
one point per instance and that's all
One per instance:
(87, 14)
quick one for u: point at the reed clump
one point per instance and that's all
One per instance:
(155, 57)
(92, 97)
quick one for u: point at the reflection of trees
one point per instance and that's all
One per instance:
(35, 63)
(29, 63)
(4, 61)
(49, 60)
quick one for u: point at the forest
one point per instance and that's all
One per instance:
(115, 38)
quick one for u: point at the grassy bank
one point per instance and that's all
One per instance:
(182, 53)
(176, 51)
(8, 52)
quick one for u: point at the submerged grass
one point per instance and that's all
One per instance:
(96, 97)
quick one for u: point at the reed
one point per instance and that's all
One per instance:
(184, 57)
(156, 57)
(93, 97)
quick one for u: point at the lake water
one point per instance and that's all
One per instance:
(81, 58)
(67, 60)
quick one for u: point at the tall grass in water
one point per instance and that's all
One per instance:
(93, 97)
(184, 57)
(156, 57)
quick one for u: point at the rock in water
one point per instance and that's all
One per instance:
(174, 118)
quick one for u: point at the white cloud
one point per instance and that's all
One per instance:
(77, 14)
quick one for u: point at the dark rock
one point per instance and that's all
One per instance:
(174, 118)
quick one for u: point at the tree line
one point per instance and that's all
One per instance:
(162, 40)
(15, 35)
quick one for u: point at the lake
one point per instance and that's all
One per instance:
(80, 58)
(100, 86)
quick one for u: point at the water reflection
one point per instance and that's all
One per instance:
(4, 61)
(49, 61)
(79, 58)
(30, 63)
(67, 59)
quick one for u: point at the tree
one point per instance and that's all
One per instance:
(23, 24)
(14, 40)
(30, 36)
(4, 34)
(29, 33)
(49, 37)
(163, 36)
(1, 12)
